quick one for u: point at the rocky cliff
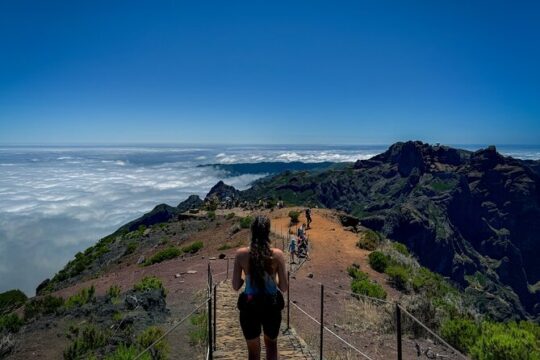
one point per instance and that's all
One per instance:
(471, 216)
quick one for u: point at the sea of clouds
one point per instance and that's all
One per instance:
(56, 201)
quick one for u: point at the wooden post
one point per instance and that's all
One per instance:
(215, 316)
(288, 300)
(322, 324)
(398, 332)
(210, 340)
(227, 278)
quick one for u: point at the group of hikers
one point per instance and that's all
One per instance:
(299, 243)
(265, 278)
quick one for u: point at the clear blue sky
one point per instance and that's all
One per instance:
(269, 71)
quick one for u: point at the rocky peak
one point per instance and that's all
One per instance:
(192, 202)
(221, 191)
(487, 158)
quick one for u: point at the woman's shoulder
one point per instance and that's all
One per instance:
(277, 252)
(243, 251)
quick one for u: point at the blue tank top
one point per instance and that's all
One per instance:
(270, 286)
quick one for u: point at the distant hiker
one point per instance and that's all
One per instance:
(308, 217)
(300, 231)
(292, 248)
(261, 302)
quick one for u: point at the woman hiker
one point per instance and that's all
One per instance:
(261, 302)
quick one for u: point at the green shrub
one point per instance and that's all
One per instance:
(295, 216)
(401, 248)
(369, 240)
(131, 247)
(42, 306)
(378, 261)
(10, 323)
(368, 288)
(113, 293)
(193, 248)
(124, 352)
(230, 216)
(460, 333)
(199, 331)
(85, 296)
(505, 341)
(432, 284)
(211, 214)
(160, 350)
(148, 283)
(225, 247)
(11, 300)
(166, 254)
(86, 342)
(355, 273)
(245, 222)
(400, 276)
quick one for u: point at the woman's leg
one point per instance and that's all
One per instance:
(254, 348)
(271, 348)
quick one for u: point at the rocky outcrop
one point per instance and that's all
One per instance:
(222, 192)
(471, 216)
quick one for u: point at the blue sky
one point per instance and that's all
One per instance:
(299, 72)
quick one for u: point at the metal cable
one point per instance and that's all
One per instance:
(331, 332)
(432, 333)
(173, 327)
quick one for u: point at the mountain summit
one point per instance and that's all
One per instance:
(471, 216)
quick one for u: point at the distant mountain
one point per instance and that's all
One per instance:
(273, 167)
(471, 216)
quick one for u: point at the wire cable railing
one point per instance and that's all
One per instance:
(211, 297)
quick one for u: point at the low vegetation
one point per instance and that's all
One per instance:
(11, 300)
(245, 222)
(361, 284)
(230, 216)
(113, 294)
(173, 252)
(193, 248)
(42, 306)
(294, 216)
(83, 297)
(125, 352)
(166, 254)
(378, 261)
(369, 240)
(199, 330)
(486, 340)
(149, 283)
(449, 309)
(160, 350)
(85, 342)
(10, 323)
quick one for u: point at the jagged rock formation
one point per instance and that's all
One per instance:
(472, 216)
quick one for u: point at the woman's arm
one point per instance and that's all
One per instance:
(237, 280)
(281, 270)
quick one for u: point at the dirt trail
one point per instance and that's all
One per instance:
(333, 249)
(230, 342)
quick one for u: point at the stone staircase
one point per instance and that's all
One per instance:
(230, 343)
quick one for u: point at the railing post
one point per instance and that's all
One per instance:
(322, 324)
(288, 300)
(215, 316)
(210, 341)
(227, 278)
(398, 332)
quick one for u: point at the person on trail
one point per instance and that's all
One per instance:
(261, 302)
(292, 248)
(300, 231)
(308, 218)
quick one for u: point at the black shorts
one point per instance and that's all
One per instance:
(260, 313)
